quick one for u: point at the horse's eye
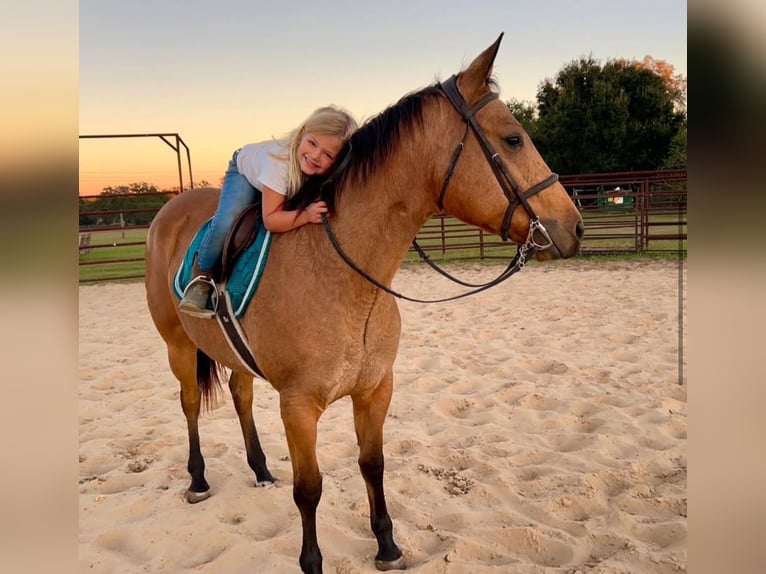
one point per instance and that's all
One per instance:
(513, 141)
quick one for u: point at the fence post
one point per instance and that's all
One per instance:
(647, 210)
(638, 219)
(443, 235)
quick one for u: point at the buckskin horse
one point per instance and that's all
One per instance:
(323, 323)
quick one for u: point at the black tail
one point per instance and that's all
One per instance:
(208, 379)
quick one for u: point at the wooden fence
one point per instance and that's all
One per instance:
(631, 212)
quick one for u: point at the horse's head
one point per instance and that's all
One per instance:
(496, 179)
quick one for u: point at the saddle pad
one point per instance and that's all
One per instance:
(245, 275)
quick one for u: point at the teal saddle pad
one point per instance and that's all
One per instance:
(244, 277)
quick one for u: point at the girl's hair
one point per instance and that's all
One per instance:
(327, 120)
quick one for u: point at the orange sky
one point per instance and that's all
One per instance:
(111, 162)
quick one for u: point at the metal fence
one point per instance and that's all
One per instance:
(631, 212)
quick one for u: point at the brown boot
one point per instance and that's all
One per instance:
(196, 295)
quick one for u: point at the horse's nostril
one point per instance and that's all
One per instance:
(579, 230)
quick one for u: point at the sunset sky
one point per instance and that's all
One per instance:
(225, 73)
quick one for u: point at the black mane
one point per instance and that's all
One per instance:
(370, 146)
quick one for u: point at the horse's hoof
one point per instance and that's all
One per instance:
(385, 566)
(195, 497)
(265, 483)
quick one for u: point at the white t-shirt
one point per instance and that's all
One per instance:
(257, 163)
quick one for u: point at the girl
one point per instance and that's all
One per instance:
(276, 169)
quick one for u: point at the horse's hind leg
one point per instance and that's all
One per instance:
(369, 414)
(183, 361)
(241, 387)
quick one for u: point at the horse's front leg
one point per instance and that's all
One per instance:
(300, 416)
(369, 414)
(241, 387)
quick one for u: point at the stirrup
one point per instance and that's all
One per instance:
(198, 308)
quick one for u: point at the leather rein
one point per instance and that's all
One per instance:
(509, 187)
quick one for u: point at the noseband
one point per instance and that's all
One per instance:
(503, 176)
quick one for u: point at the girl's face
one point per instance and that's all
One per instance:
(317, 152)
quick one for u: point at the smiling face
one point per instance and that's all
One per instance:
(317, 152)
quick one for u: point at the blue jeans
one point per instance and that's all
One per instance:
(236, 195)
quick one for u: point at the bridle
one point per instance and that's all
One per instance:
(507, 184)
(503, 176)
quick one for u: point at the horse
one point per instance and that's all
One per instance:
(321, 329)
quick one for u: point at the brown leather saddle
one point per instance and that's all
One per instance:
(243, 232)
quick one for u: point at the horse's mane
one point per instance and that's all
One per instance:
(369, 147)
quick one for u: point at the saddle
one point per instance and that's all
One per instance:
(242, 234)
(236, 275)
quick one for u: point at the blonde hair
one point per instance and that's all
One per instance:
(327, 120)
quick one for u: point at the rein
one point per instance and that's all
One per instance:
(507, 184)
(524, 251)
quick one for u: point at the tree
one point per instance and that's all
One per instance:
(132, 204)
(677, 158)
(526, 114)
(620, 116)
(87, 205)
(674, 83)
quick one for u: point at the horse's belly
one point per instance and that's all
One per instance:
(336, 363)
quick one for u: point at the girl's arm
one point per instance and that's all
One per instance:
(277, 219)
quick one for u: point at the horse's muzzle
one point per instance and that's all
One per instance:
(566, 237)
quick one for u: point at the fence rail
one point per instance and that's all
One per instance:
(631, 212)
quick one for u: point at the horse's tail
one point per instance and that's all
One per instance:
(208, 380)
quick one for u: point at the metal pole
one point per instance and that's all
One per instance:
(188, 161)
(178, 159)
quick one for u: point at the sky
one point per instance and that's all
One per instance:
(225, 73)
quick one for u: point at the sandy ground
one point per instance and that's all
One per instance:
(537, 427)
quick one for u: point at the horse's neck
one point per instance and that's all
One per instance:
(377, 219)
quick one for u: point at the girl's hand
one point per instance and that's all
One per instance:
(315, 210)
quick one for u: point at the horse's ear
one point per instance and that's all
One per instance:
(473, 78)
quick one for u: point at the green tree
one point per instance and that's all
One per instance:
(620, 116)
(87, 205)
(132, 204)
(526, 114)
(677, 157)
